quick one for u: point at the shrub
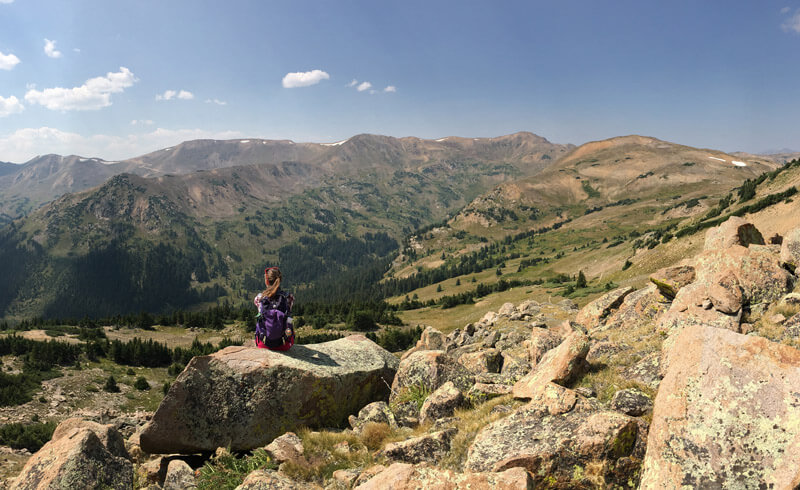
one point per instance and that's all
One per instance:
(226, 472)
(141, 384)
(111, 385)
(31, 437)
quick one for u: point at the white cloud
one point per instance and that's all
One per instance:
(146, 122)
(50, 49)
(10, 105)
(352, 83)
(390, 88)
(216, 101)
(8, 61)
(785, 10)
(6, 1)
(92, 95)
(24, 144)
(304, 79)
(792, 23)
(171, 94)
(364, 86)
(166, 95)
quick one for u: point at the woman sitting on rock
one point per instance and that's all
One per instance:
(274, 323)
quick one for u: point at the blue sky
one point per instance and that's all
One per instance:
(120, 79)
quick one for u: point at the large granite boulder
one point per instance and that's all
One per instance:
(734, 231)
(441, 403)
(726, 414)
(790, 249)
(429, 370)
(430, 447)
(670, 280)
(404, 476)
(77, 458)
(727, 281)
(559, 365)
(593, 313)
(552, 445)
(244, 397)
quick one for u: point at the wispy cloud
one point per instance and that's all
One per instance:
(390, 89)
(352, 83)
(793, 22)
(216, 101)
(8, 61)
(172, 94)
(10, 105)
(785, 10)
(6, 1)
(92, 95)
(304, 78)
(24, 144)
(50, 49)
(364, 86)
(143, 122)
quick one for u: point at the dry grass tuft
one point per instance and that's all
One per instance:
(374, 434)
(322, 457)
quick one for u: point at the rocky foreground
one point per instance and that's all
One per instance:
(691, 382)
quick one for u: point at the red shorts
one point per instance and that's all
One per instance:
(286, 346)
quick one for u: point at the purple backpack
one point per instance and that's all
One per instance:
(271, 320)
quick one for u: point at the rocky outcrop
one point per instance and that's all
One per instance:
(593, 313)
(430, 448)
(726, 414)
(558, 365)
(670, 280)
(430, 370)
(77, 458)
(242, 397)
(271, 480)
(441, 403)
(375, 412)
(179, 476)
(734, 231)
(403, 476)
(552, 446)
(790, 249)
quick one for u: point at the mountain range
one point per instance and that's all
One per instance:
(193, 224)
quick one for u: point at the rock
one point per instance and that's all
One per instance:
(441, 403)
(507, 309)
(179, 476)
(529, 307)
(495, 378)
(791, 299)
(670, 280)
(347, 477)
(552, 445)
(559, 365)
(542, 340)
(567, 305)
(554, 398)
(640, 308)
(730, 279)
(483, 361)
(790, 249)
(491, 339)
(287, 447)
(592, 315)
(603, 350)
(585, 391)
(108, 435)
(488, 319)
(403, 476)
(76, 459)
(777, 319)
(429, 370)
(515, 366)
(726, 414)
(485, 391)
(222, 399)
(429, 447)
(734, 231)
(377, 412)
(631, 402)
(369, 473)
(271, 480)
(430, 339)
(647, 371)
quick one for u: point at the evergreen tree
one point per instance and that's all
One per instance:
(581, 281)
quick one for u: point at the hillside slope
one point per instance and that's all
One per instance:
(186, 239)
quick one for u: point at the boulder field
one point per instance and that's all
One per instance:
(691, 381)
